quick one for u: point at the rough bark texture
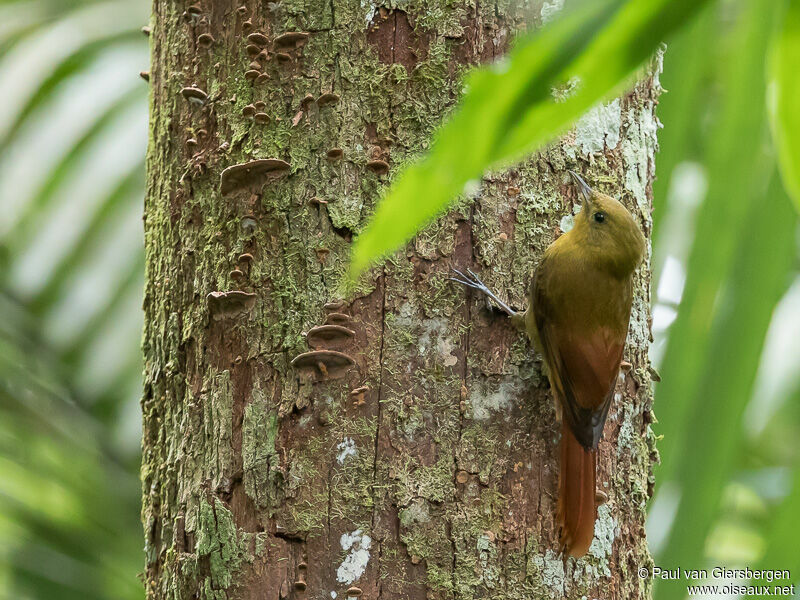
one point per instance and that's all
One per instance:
(427, 469)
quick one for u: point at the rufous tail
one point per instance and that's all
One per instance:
(577, 510)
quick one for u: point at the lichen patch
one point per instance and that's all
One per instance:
(346, 448)
(599, 128)
(357, 544)
(488, 397)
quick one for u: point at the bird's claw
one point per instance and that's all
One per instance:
(473, 281)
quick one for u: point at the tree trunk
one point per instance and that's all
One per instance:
(414, 453)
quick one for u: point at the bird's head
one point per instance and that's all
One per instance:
(607, 231)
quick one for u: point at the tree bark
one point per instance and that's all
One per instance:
(427, 468)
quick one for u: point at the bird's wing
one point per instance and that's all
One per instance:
(583, 368)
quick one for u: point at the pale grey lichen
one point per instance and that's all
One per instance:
(599, 128)
(416, 512)
(357, 544)
(550, 571)
(605, 531)
(487, 397)
(433, 338)
(346, 448)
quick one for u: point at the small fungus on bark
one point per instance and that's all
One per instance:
(194, 95)
(337, 318)
(257, 38)
(329, 98)
(323, 335)
(329, 364)
(253, 174)
(379, 167)
(291, 39)
(223, 305)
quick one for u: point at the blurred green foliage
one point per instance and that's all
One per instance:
(72, 143)
(72, 138)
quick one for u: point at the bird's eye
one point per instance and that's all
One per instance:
(599, 217)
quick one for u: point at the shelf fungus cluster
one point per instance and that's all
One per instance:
(283, 48)
(326, 359)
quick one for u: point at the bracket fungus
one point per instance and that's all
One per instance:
(337, 318)
(353, 592)
(335, 153)
(193, 12)
(252, 50)
(261, 118)
(334, 305)
(146, 30)
(328, 364)
(253, 174)
(257, 38)
(326, 99)
(291, 39)
(205, 40)
(194, 95)
(323, 335)
(379, 167)
(223, 305)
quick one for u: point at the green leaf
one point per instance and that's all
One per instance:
(781, 530)
(77, 62)
(784, 92)
(513, 108)
(682, 107)
(738, 171)
(129, 187)
(712, 429)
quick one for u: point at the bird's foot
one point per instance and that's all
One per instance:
(471, 280)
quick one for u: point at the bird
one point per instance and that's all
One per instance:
(579, 306)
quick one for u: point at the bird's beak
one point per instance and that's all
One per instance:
(586, 191)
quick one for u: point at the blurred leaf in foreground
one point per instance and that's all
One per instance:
(516, 106)
(68, 511)
(784, 92)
